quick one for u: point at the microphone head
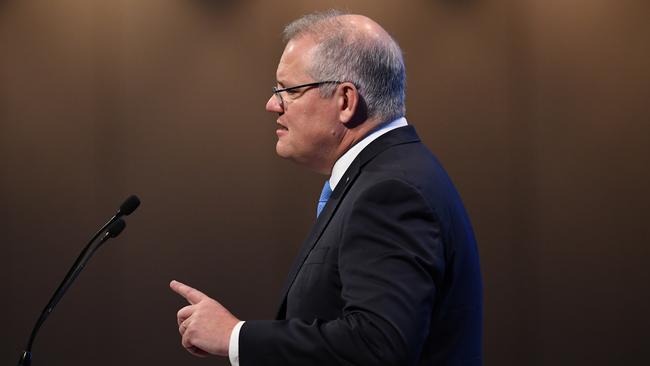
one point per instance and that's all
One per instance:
(116, 228)
(129, 205)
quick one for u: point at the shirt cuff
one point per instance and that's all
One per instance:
(233, 346)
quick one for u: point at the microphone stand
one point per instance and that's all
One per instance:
(111, 229)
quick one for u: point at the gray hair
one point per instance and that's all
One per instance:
(374, 66)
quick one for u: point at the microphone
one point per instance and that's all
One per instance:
(129, 205)
(115, 229)
(110, 229)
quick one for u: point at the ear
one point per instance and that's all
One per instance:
(347, 101)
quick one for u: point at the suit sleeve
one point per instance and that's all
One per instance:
(391, 260)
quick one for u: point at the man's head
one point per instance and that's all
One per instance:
(361, 78)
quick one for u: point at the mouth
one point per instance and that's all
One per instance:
(281, 127)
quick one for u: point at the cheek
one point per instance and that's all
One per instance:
(302, 135)
(310, 124)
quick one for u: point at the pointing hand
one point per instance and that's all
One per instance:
(205, 325)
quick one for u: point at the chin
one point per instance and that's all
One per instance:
(282, 151)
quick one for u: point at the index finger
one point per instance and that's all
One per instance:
(190, 294)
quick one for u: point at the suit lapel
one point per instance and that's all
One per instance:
(392, 138)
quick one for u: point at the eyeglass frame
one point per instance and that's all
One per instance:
(277, 91)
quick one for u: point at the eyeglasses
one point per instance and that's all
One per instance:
(277, 92)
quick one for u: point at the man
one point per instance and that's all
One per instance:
(389, 274)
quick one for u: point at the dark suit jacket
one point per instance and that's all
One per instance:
(389, 274)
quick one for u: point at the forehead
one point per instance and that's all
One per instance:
(295, 60)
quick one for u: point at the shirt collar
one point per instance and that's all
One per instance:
(344, 162)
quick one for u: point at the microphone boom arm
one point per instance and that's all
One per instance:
(111, 229)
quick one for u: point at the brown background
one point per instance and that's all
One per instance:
(539, 110)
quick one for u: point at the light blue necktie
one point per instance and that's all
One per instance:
(324, 196)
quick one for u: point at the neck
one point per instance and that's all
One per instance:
(348, 139)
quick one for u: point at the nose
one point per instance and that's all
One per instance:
(273, 105)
